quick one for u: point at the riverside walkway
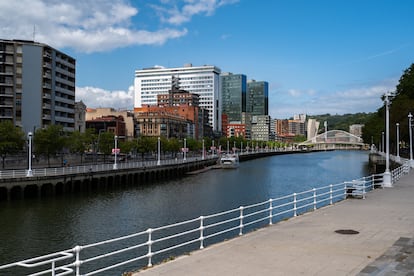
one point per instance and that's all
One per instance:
(381, 243)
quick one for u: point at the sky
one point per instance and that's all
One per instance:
(318, 56)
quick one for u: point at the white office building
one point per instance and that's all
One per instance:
(201, 80)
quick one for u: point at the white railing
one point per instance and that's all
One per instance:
(156, 244)
(95, 168)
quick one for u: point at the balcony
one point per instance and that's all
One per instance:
(46, 117)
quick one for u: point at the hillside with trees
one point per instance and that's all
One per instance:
(401, 104)
(341, 122)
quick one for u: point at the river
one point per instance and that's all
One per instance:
(34, 227)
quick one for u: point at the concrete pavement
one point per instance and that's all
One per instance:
(309, 245)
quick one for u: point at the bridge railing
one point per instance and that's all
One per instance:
(142, 249)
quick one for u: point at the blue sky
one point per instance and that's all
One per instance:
(319, 56)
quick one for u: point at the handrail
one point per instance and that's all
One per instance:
(156, 242)
(7, 174)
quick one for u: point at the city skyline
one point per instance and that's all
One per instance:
(317, 56)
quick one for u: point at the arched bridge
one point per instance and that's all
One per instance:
(334, 139)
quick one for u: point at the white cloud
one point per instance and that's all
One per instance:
(177, 15)
(86, 26)
(94, 97)
(364, 99)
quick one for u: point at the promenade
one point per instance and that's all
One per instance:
(382, 243)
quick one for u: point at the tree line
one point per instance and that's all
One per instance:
(53, 141)
(401, 104)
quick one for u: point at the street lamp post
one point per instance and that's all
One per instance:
(29, 170)
(159, 152)
(410, 117)
(387, 174)
(115, 152)
(397, 158)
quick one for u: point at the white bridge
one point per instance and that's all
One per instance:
(334, 139)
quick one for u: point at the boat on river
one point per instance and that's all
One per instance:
(229, 161)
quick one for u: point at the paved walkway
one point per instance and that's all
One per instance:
(309, 245)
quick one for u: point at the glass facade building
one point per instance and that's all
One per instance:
(258, 97)
(233, 96)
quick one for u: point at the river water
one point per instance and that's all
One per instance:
(34, 227)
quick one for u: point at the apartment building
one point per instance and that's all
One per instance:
(37, 85)
(201, 80)
(261, 128)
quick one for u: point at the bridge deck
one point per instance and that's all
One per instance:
(309, 245)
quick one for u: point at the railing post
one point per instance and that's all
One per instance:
(149, 243)
(363, 189)
(53, 268)
(201, 232)
(294, 205)
(270, 211)
(241, 221)
(78, 262)
(330, 194)
(314, 198)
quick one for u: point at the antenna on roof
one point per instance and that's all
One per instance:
(34, 32)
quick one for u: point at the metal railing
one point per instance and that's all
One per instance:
(142, 249)
(19, 173)
(95, 167)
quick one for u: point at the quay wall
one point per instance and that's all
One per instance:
(91, 181)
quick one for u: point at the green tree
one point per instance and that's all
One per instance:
(401, 104)
(146, 144)
(81, 142)
(49, 141)
(12, 140)
(106, 143)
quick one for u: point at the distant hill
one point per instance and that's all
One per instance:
(341, 122)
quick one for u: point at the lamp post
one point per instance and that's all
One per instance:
(116, 152)
(397, 158)
(387, 174)
(29, 170)
(159, 152)
(410, 117)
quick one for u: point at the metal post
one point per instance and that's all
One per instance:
(149, 243)
(397, 158)
(330, 194)
(270, 212)
(159, 151)
(294, 205)
(116, 152)
(202, 155)
(201, 232)
(29, 170)
(410, 117)
(387, 174)
(213, 148)
(241, 221)
(314, 198)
